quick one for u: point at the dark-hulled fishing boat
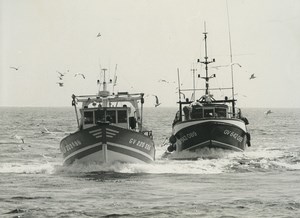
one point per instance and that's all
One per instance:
(110, 129)
(207, 122)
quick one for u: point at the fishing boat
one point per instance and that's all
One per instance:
(208, 122)
(110, 129)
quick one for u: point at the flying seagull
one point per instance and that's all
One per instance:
(15, 68)
(61, 84)
(217, 67)
(61, 74)
(98, 35)
(252, 76)
(19, 138)
(157, 103)
(45, 131)
(227, 65)
(268, 112)
(163, 80)
(80, 74)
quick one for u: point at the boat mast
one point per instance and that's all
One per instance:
(142, 106)
(206, 62)
(179, 96)
(74, 104)
(194, 86)
(231, 65)
(115, 79)
(104, 93)
(104, 80)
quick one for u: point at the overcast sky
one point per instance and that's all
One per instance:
(148, 40)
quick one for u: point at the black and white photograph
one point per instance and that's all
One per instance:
(149, 108)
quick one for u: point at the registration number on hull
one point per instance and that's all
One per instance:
(70, 146)
(233, 134)
(139, 143)
(188, 136)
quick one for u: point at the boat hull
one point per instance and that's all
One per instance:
(107, 144)
(215, 133)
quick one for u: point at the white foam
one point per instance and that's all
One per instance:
(38, 168)
(201, 166)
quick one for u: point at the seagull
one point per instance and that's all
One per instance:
(19, 138)
(98, 35)
(60, 78)
(45, 156)
(157, 103)
(227, 65)
(61, 84)
(80, 74)
(217, 67)
(268, 112)
(45, 131)
(163, 80)
(15, 68)
(252, 76)
(61, 74)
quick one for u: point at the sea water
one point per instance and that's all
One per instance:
(263, 181)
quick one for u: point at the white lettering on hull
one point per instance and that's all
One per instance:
(70, 146)
(139, 143)
(233, 134)
(188, 136)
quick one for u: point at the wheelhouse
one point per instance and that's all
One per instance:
(122, 109)
(199, 111)
(203, 111)
(118, 116)
(205, 108)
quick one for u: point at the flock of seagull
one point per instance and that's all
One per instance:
(21, 139)
(61, 77)
(157, 103)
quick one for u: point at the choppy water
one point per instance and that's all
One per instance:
(263, 181)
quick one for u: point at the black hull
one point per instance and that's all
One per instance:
(106, 144)
(196, 134)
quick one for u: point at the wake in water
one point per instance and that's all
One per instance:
(205, 161)
(203, 153)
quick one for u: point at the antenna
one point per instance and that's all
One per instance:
(115, 78)
(104, 79)
(231, 66)
(179, 95)
(206, 62)
(178, 84)
(193, 70)
(98, 81)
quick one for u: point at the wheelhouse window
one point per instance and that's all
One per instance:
(208, 112)
(99, 116)
(88, 117)
(122, 116)
(197, 113)
(108, 115)
(220, 112)
(111, 116)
